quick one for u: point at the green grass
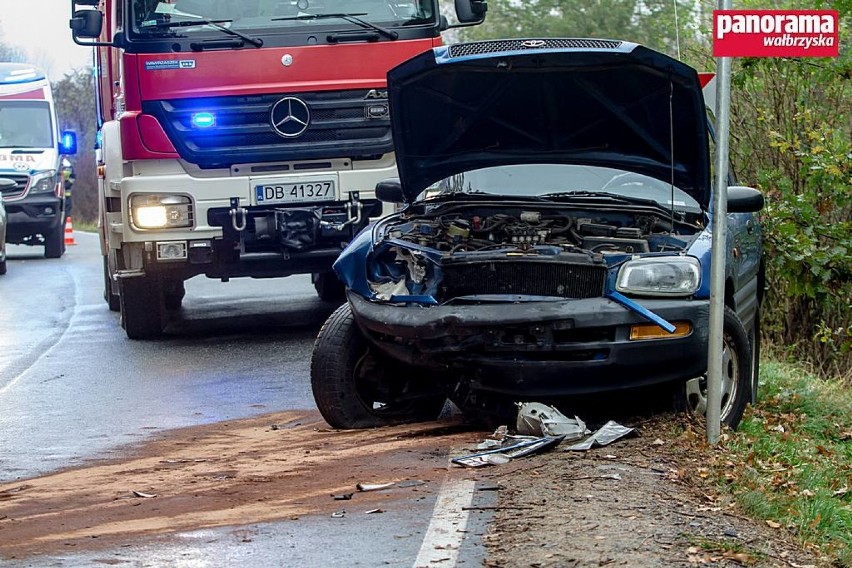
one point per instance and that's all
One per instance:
(795, 447)
(85, 226)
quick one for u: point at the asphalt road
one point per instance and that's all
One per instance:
(74, 388)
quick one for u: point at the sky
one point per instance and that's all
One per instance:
(40, 28)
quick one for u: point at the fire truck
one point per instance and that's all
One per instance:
(31, 150)
(241, 138)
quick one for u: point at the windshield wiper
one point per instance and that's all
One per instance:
(603, 194)
(352, 18)
(215, 24)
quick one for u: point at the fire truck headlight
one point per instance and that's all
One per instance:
(160, 211)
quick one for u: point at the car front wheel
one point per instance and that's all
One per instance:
(736, 375)
(356, 387)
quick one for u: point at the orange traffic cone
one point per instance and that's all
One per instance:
(69, 232)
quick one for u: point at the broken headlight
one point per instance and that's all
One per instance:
(660, 276)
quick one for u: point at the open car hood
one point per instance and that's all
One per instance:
(558, 101)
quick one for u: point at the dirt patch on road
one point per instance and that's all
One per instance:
(629, 504)
(262, 469)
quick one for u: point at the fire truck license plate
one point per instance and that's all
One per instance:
(294, 192)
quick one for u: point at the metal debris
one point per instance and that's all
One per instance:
(518, 446)
(607, 434)
(373, 511)
(540, 420)
(373, 486)
(144, 495)
(489, 444)
(338, 514)
(342, 497)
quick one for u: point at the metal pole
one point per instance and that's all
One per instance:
(719, 247)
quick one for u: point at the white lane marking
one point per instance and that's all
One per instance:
(443, 538)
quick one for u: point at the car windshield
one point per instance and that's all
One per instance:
(561, 179)
(25, 124)
(162, 17)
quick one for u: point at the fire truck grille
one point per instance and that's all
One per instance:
(341, 124)
(21, 182)
(483, 47)
(558, 279)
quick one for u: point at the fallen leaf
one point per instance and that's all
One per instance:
(773, 524)
(740, 557)
(657, 442)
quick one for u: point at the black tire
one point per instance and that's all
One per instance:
(354, 387)
(142, 307)
(54, 243)
(2, 267)
(754, 343)
(173, 294)
(736, 376)
(111, 298)
(329, 288)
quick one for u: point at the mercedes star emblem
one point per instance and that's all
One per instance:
(290, 117)
(287, 60)
(533, 43)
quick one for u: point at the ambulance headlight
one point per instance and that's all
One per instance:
(43, 182)
(160, 211)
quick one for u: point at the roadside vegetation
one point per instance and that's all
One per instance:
(789, 463)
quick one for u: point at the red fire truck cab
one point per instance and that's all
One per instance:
(241, 138)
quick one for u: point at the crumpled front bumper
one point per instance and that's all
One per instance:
(533, 349)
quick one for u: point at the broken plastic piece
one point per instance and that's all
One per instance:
(524, 447)
(338, 514)
(607, 434)
(488, 444)
(144, 495)
(373, 511)
(373, 486)
(540, 420)
(342, 497)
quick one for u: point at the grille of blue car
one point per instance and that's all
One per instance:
(559, 279)
(482, 47)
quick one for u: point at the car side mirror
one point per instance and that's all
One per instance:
(86, 24)
(471, 12)
(7, 184)
(744, 199)
(390, 191)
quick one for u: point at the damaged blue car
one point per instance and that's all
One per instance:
(554, 240)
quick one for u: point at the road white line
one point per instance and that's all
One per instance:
(446, 530)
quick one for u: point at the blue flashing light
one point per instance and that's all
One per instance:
(68, 142)
(203, 119)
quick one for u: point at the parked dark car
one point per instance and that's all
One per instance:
(554, 241)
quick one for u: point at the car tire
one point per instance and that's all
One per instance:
(736, 376)
(173, 294)
(112, 299)
(345, 373)
(54, 243)
(329, 288)
(142, 307)
(2, 267)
